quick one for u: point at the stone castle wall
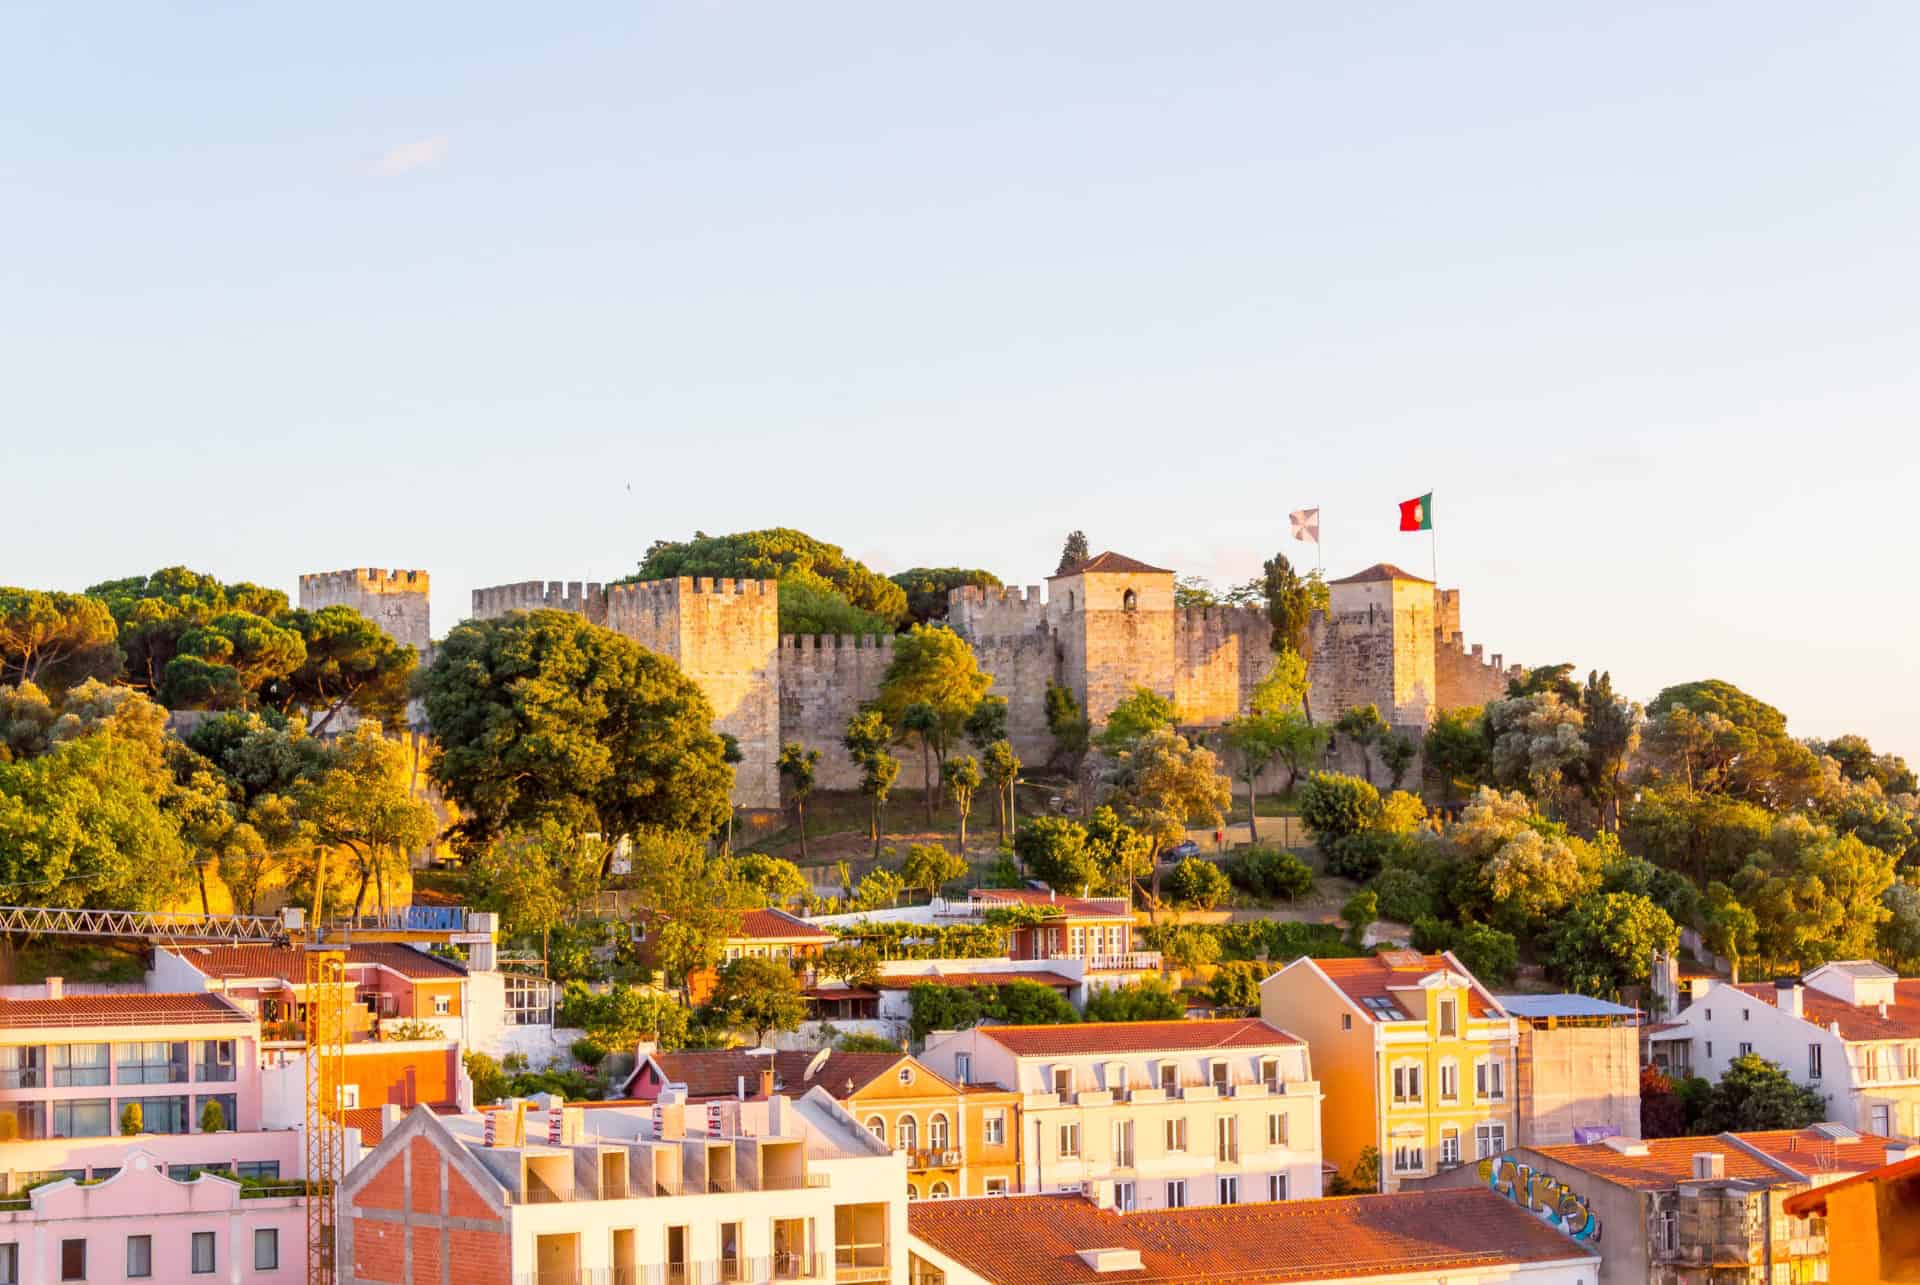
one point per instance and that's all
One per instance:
(824, 680)
(1464, 677)
(397, 601)
(1221, 655)
(581, 598)
(996, 613)
(1022, 665)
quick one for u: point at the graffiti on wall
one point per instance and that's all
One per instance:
(1548, 1197)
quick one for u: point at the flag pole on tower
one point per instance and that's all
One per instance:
(1417, 515)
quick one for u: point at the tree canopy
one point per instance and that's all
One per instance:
(927, 588)
(818, 571)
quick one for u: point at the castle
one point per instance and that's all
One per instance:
(1102, 628)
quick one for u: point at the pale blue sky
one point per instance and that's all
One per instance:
(1630, 286)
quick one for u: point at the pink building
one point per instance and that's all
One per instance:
(71, 1064)
(139, 1224)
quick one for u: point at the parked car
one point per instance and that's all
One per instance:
(1181, 851)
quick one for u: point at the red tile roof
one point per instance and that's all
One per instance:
(1668, 1162)
(1110, 563)
(833, 1075)
(144, 1009)
(1137, 1037)
(717, 1073)
(1380, 571)
(1381, 976)
(367, 1120)
(777, 925)
(714, 1073)
(1811, 1151)
(1814, 1201)
(244, 963)
(1037, 1240)
(1864, 1022)
(1069, 907)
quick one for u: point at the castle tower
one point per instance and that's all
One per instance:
(1114, 621)
(1376, 647)
(394, 600)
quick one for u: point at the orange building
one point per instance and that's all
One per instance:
(1873, 1223)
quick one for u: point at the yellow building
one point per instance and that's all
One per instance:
(1415, 1059)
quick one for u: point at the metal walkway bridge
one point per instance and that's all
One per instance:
(43, 920)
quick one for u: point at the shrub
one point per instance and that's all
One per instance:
(1431, 935)
(1004, 872)
(1198, 883)
(132, 1119)
(1360, 856)
(213, 1117)
(861, 1042)
(1334, 805)
(1149, 1000)
(1404, 895)
(489, 1080)
(1237, 985)
(1358, 914)
(1272, 872)
(588, 1051)
(1488, 953)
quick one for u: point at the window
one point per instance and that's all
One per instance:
(1277, 1129)
(906, 1075)
(732, 1259)
(157, 1062)
(229, 1109)
(1913, 1061)
(996, 1186)
(937, 1137)
(1270, 1073)
(1489, 1140)
(1881, 1120)
(1069, 1139)
(161, 1115)
(29, 1119)
(213, 1060)
(877, 1127)
(963, 1067)
(1078, 936)
(993, 1128)
(1123, 1199)
(1709, 1042)
(1488, 1080)
(1813, 1061)
(9, 1263)
(1226, 1139)
(1409, 1157)
(1709, 1015)
(1667, 1235)
(139, 1257)
(1384, 1008)
(269, 1169)
(1276, 1186)
(906, 1133)
(1447, 1022)
(939, 1191)
(73, 1260)
(442, 1005)
(1449, 1146)
(1128, 601)
(75, 1065)
(1170, 1079)
(1217, 1073)
(1229, 1189)
(1406, 1084)
(1123, 1143)
(1176, 1135)
(1063, 1081)
(266, 1249)
(1177, 1194)
(83, 1118)
(1745, 1048)
(1449, 1081)
(202, 1253)
(1346, 1021)
(20, 1068)
(1746, 1015)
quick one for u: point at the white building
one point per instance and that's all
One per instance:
(774, 1190)
(1849, 1029)
(1161, 1114)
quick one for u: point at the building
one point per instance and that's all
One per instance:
(1849, 1029)
(1102, 628)
(70, 1065)
(137, 1221)
(773, 1190)
(1872, 1221)
(1170, 1113)
(1683, 1211)
(761, 934)
(1577, 1069)
(1415, 1056)
(1414, 1238)
(885, 1007)
(959, 1140)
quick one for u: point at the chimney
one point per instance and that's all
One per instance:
(766, 1083)
(1708, 1165)
(740, 1087)
(56, 988)
(777, 1108)
(390, 1118)
(1787, 996)
(1898, 1151)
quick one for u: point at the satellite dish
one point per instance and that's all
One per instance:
(819, 1060)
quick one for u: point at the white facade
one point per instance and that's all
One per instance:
(1158, 1129)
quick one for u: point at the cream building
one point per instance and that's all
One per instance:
(1152, 1115)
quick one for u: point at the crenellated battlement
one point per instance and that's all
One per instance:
(989, 612)
(581, 597)
(365, 580)
(395, 599)
(689, 585)
(1456, 648)
(830, 651)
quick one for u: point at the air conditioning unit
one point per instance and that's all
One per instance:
(949, 1157)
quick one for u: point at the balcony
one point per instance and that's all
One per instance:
(1132, 961)
(747, 1271)
(919, 1158)
(853, 1263)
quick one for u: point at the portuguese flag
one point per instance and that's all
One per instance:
(1417, 514)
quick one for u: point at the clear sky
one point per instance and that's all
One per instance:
(509, 291)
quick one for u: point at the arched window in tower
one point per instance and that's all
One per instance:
(1129, 601)
(1069, 600)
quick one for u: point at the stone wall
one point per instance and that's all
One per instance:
(581, 598)
(1221, 654)
(824, 680)
(1116, 631)
(1022, 665)
(394, 600)
(979, 613)
(1465, 677)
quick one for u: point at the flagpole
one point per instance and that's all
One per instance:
(1433, 551)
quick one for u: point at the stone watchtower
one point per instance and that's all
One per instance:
(1113, 620)
(1376, 647)
(394, 600)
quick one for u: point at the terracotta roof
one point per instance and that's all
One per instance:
(1380, 571)
(1857, 1022)
(1038, 1239)
(1069, 907)
(367, 1120)
(714, 1073)
(141, 1009)
(763, 925)
(790, 1070)
(1054, 980)
(1668, 1162)
(1109, 562)
(239, 963)
(1814, 1201)
(1811, 1151)
(1381, 976)
(1137, 1037)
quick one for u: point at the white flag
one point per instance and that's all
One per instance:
(1306, 525)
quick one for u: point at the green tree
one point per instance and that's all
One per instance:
(537, 878)
(1730, 929)
(961, 775)
(224, 662)
(1606, 941)
(1611, 733)
(1022, 1003)
(1236, 985)
(133, 1120)
(1190, 592)
(364, 803)
(1488, 953)
(1189, 948)
(1358, 914)
(1292, 602)
(1165, 784)
(153, 613)
(1273, 872)
(761, 995)
(879, 887)
(1254, 740)
(213, 1118)
(1538, 745)
(1858, 763)
(1135, 718)
(1456, 750)
(347, 660)
(854, 964)
(1709, 836)
(1197, 883)
(1073, 552)
(56, 640)
(866, 741)
(861, 1042)
(622, 1016)
(693, 900)
(1397, 753)
(1072, 732)
(921, 721)
(1523, 871)
(1334, 806)
(936, 1007)
(1756, 1094)
(987, 723)
(797, 765)
(774, 880)
(792, 557)
(1298, 743)
(1367, 730)
(1002, 768)
(1671, 891)
(1900, 931)
(543, 715)
(1054, 849)
(930, 867)
(1816, 895)
(1150, 999)
(927, 588)
(1719, 740)
(935, 667)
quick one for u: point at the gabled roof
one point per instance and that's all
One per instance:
(1818, 1151)
(244, 963)
(1668, 1162)
(1814, 1202)
(718, 1073)
(1039, 1239)
(1380, 571)
(138, 1009)
(1137, 1037)
(837, 1073)
(777, 925)
(1856, 1022)
(1109, 562)
(1378, 977)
